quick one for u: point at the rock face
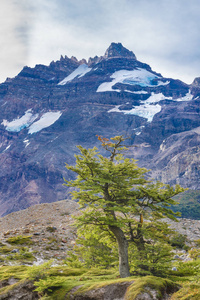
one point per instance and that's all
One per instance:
(47, 110)
(109, 292)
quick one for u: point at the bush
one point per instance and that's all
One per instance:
(194, 253)
(178, 241)
(20, 240)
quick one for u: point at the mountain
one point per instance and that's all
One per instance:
(47, 110)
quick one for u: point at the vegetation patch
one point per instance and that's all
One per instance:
(4, 249)
(57, 282)
(17, 272)
(188, 204)
(148, 283)
(188, 292)
(20, 240)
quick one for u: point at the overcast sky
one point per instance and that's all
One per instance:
(162, 33)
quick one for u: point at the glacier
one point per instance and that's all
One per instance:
(139, 76)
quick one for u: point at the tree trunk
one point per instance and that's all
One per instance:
(122, 250)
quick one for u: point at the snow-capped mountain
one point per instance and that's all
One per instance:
(47, 110)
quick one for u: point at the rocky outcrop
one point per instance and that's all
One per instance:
(114, 291)
(177, 161)
(21, 291)
(117, 50)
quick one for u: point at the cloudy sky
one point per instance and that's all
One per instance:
(162, 33)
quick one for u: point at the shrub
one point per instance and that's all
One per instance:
(20, 240)
(178, 241)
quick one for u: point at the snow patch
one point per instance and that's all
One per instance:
(138, 76)
(146, 111)
(187, 97)
(26, 142)
(107, 87)
(46, 120)
(4, 103)
(18, 124)
(159, 82)
(155, 98)
(6, 148)
(79, 72)
(137, 92)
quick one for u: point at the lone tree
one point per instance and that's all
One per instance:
(117, 196)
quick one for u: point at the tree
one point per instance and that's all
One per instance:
(117, 197)
(93, 248)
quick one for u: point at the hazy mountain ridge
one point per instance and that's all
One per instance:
(43, 120)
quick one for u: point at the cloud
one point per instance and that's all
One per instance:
(163, 33)
(13, 38)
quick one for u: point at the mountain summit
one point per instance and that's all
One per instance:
(117, 50)
(47, 110)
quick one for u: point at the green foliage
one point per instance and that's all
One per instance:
(188, 203)
(18, 272)
(23, 256)
(194, 253)
(39, 272)
(93, 248)
(197, 242)
(189, 269)
(144, 284)
(4, 249)
(188, 292)
(118, 198)
(191, 284)
(49, 284)
(178, 240)
(156, 259)
(19, 240)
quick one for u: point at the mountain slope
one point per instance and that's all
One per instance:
(47, 110)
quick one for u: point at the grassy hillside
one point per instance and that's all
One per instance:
(189, 204)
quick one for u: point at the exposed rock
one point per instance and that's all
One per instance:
(22, 291)
(117, 50)
(109, 292)
(196, 82)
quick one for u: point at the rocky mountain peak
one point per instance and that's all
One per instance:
(118, 50)
(69, 102)
(196, 82)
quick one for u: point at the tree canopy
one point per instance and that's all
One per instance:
(118, 198)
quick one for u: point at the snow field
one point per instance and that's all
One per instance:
(79, 72)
